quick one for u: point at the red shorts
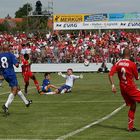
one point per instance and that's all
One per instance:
(131, 95)
(27, 76)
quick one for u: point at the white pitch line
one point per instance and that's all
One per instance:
(22, 89)
(9, 91)
(91, 124)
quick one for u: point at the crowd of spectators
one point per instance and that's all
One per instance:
(74, 47)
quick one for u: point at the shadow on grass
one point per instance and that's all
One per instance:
(112, 127)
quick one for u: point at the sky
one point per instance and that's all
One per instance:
(74, 6)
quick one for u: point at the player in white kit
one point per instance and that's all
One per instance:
(70, 78)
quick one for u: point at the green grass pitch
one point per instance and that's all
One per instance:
(52, 116)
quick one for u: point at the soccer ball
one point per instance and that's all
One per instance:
(86, 63)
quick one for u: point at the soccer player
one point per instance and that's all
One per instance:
(70, 78)
(7, 60)
(46, 85)
(127, 71)
(27, 74)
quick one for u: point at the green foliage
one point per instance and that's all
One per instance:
(3, 27)
(24, 11)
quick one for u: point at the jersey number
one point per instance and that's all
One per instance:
(4, 62)
(123, 73)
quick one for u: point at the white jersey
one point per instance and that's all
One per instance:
(70, 79)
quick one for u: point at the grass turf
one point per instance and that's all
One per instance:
(52, 116)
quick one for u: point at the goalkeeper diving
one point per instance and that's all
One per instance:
(67, 87)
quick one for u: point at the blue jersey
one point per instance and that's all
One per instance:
(46, 82)
(7, 60)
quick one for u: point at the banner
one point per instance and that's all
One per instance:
(97, 25)
(95, 17)
(69, 18)
(124, 17)
(132, 17)
(97, 21)
(116, 17)
(77, 67)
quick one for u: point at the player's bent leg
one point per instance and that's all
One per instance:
(23, 98)
(64, 91)
(131, 117)
(49, 93)
(36, 83)
(26, 87)
(9, 100)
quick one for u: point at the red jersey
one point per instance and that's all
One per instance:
(126, 70)
(25, 66)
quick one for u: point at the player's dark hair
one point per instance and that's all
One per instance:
(46, 74)
(126, 52)
(70, 69)
(5, 48)
(26, 56)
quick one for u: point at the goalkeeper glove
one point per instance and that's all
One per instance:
(81, 76)
(59, 73)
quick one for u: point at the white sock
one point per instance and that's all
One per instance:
(49, 93)
(9, 100)
(63, 91)
(22, 97)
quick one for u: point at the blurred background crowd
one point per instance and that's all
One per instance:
(73, 47)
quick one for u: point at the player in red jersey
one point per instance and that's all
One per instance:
(27, 74)
(127, 71)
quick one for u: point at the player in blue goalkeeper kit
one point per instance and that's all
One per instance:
(7, 60)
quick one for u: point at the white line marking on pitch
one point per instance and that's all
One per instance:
(91, 124)
(22, 89)
(9, 91)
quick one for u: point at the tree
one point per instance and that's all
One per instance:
(3, 27)
(24, 11)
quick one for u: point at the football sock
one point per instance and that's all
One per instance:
(37, 85)
(49, 93)
(9, 100)
(131, 115)
(23, 98)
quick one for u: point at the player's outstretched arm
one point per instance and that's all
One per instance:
(60, 74)
(78, 77)
(112, 83)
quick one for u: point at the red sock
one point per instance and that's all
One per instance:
(131, 116)
(37, 85)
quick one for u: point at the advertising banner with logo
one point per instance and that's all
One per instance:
(95, 17)
(97, 25)
(116, 17)
(132, 17)
(97, 21)
(69, 18)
